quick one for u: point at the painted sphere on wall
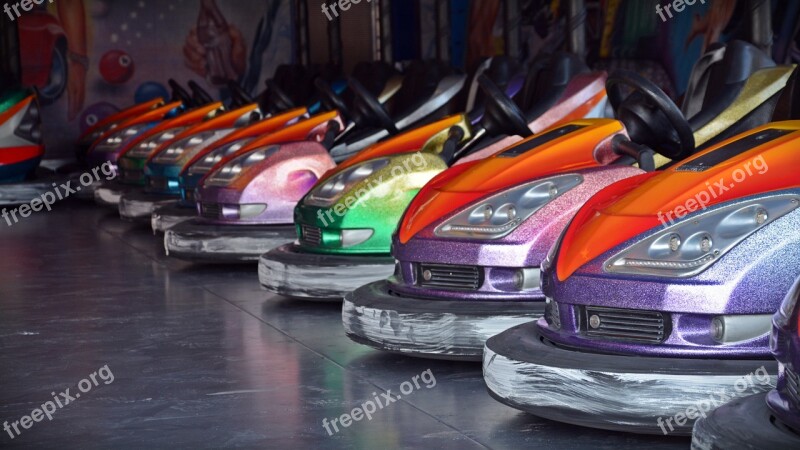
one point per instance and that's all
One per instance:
(96, 113)
(116, 67)
(150, 90)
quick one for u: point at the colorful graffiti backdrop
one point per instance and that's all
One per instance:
(90, 58)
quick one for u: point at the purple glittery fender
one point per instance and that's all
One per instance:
(524, 247)
(752, 278)
(279, 181)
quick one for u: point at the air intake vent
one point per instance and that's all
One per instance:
(449, 277)
(211, 210)
(311, 235)
(624, 324)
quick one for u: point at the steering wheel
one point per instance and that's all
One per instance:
(501, 115)
(199, 94)
(672, 138)
(278, 98)
(331, 100)
(370, 108)
(179, 93)
(239, 97)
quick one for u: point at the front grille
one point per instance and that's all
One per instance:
(211, 210)
(624, 324)
(449, 277)
(132, 175)
(311, 235)
(792, 386)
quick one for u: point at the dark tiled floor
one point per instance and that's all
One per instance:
(201, 357)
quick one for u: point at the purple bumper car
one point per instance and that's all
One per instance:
(660, 293)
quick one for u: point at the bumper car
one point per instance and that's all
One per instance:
(158, 175)
(129, 155)
(96, 131)
(660, 292)
(224, 232)
(767, 420)
(119, 136)
(467, 271)
(327, 263)
(180, 177)
(21, 148)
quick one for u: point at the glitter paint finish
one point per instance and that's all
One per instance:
(526, 246)
(382, 197)
(583, 148)
(752, 278)
(279, 181)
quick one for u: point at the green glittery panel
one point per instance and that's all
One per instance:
(375, 203)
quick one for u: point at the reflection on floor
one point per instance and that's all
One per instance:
(201, 357)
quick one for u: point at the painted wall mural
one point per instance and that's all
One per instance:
(89, 58)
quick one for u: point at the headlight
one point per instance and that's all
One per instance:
(174, 151)
(113, 141)
(146, 147)
(205, 164)
(502, 213)
(738, 328)
(353, 237)
(330, 190)
(691, 246)
(227, 173)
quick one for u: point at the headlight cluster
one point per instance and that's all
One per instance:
(146, 147)
(227, 173)
(330, 190)
(691, 246)
(175, 151)
(502, 213)
(113, 141)
(205, 164)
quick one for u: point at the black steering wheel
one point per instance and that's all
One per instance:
(199, 94)
(278, 98)
(239, 97)
(369, 106)
(330, 100)
(179, 93)
(501, 115)
(639, 112)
